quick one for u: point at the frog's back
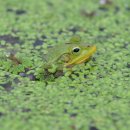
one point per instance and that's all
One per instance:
(54, 52)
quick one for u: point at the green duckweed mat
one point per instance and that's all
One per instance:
(96, 96)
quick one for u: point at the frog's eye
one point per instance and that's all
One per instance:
(76, 49)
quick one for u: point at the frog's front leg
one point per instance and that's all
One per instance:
(49, 72)
(67, 71)
(45, 72)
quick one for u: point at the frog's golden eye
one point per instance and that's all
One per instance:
(76, 49)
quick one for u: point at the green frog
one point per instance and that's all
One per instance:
(65, 56)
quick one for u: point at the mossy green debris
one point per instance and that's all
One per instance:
(96, 96)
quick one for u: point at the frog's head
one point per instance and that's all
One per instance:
(77, 52)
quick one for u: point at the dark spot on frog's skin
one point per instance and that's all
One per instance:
(93, 128)
(7, 86)
(10, 39)
(38, 43)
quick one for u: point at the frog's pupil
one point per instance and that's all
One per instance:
(76, 50)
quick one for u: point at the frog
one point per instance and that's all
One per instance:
(65, 56)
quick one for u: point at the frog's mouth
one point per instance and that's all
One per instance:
(82, 58)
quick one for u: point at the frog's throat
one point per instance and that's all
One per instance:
(82, 59)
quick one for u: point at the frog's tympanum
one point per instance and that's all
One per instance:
(66, 56)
